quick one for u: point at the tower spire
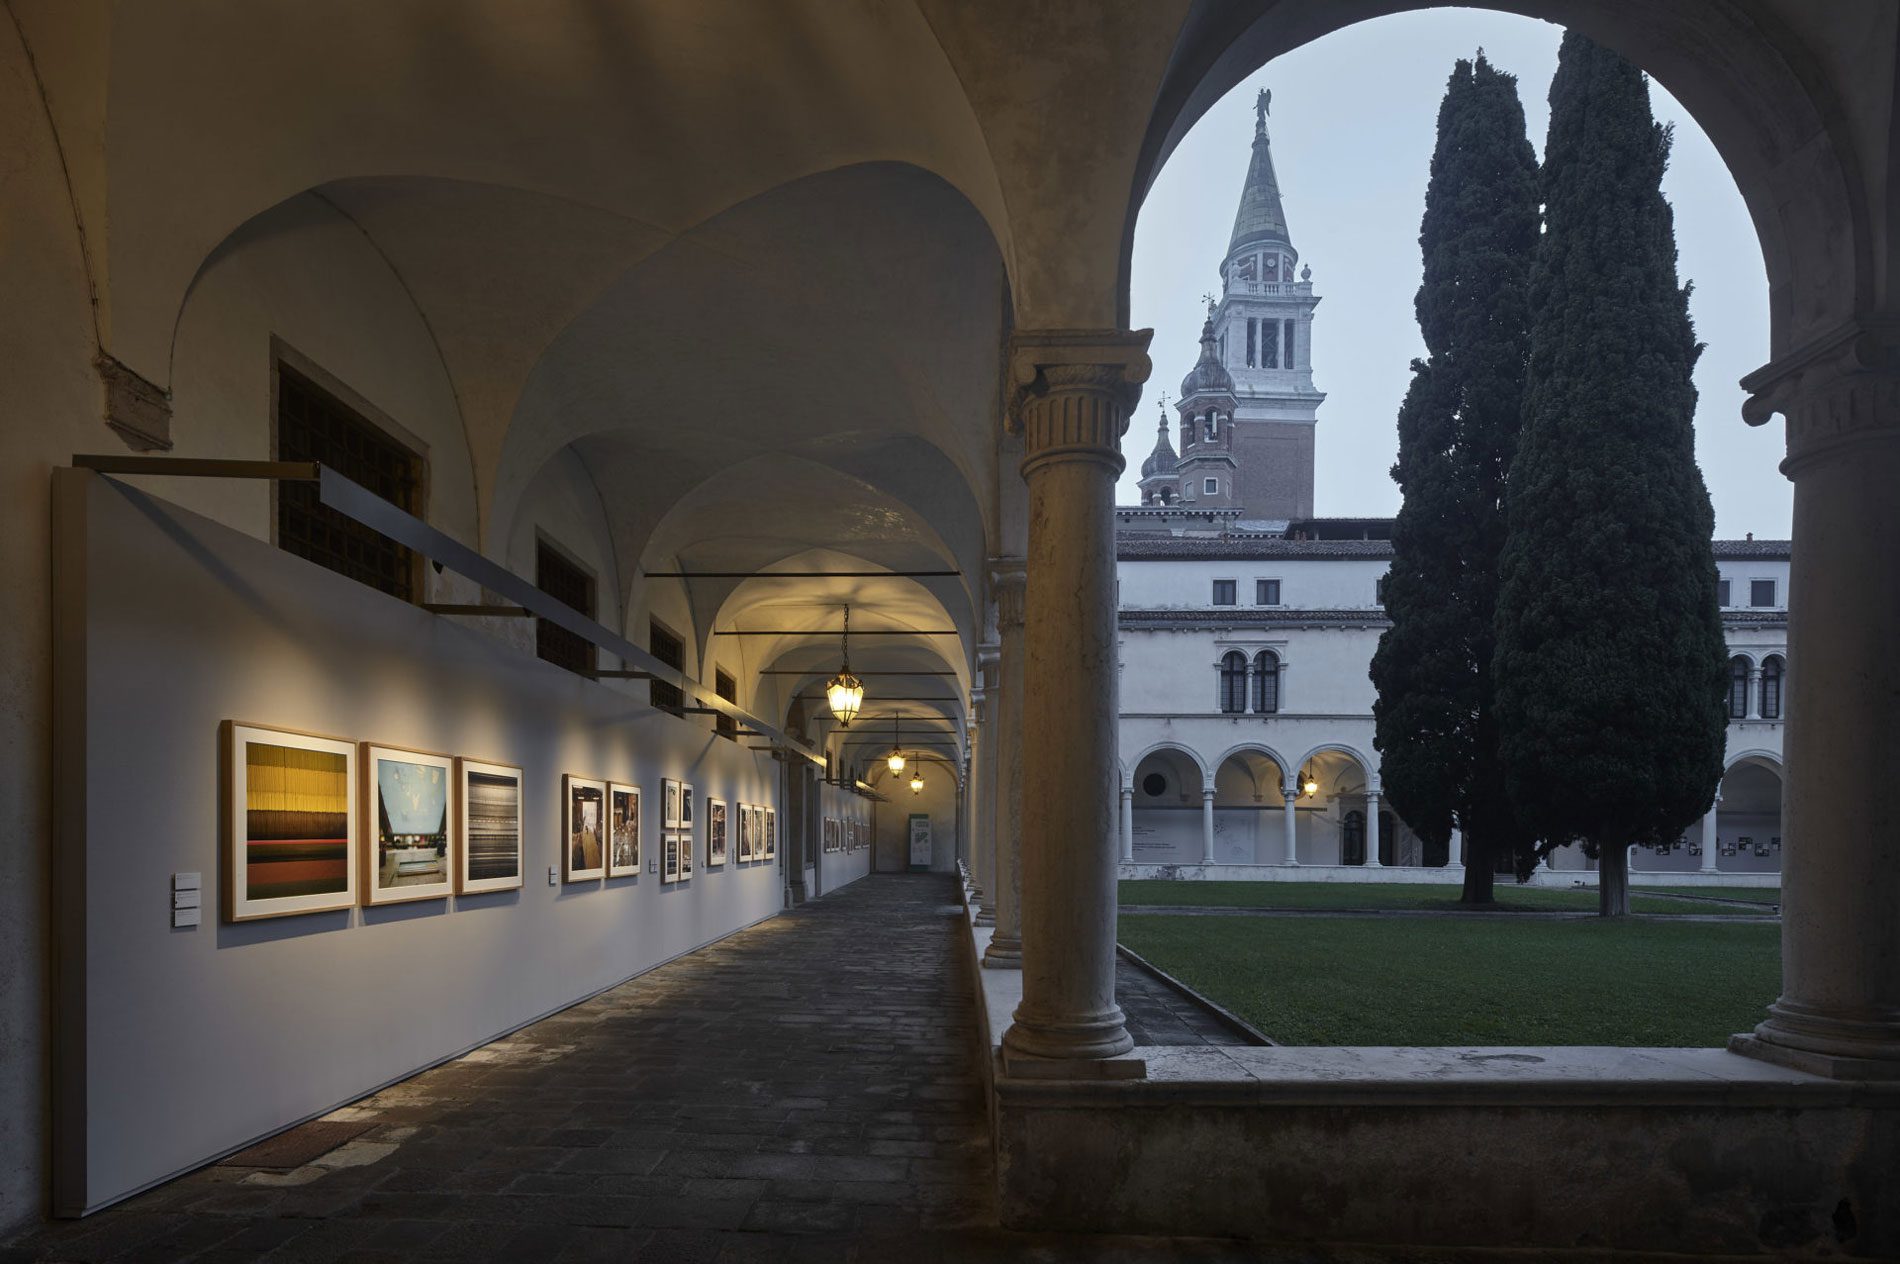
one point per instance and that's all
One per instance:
(1261, 217)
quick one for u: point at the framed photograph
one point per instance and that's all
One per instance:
(686, 855)
(406, 853)
(715, 833)
(488, 829)
(670, 859)
(583, 828)
(290, 826)
(686, 806)
(623, 830)
(670, 804)
(745, 833)
(771, 833)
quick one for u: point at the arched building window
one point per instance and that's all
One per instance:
(1352, 839)
(1266, 682)
(1233, 682)
(1771, 673)
(1737, 688)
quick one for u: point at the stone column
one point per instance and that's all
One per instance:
(1839, 1010)
(985, 849)
(1006, 946)
(976, 786)
(1752, 708)
(1710, 838)
(1207, 825)
(1372, 830)
(1290, 790)
(1070, 395)
(1128, 824)
(1455, 850)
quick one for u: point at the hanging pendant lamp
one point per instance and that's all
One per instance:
(896, 761)
(917, 780)
(845, 692)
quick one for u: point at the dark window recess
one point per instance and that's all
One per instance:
(1378, 592)
(1761, 592)
(1722, 593)
(1289, 341)
(1233, 682)
(1738, 688)
(573, 588)
(1266, 592)
(1224, 592)
(669, 649)
(728, 688)
(313, 425)
(1154, 785)
(1771, 688)
(1266, 682)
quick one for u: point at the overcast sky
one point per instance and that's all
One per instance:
(1353, 123)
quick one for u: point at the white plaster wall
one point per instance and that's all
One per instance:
(840, 868)
(1322, 670)
(1305, 583)
(938, 798)
(1740, 572)
(305, 273)
(200, 1040)
(52, 410)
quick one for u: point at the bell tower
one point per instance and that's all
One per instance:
(1262, 335)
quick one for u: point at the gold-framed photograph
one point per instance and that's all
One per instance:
(290, 826)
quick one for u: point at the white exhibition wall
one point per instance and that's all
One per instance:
(178, 1045)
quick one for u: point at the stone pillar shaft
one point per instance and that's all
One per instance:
(984, 836)
(1710, 838)
(1372, 830)
(1128, 825)
(1071, 394)
(1207, 825)
(1455, 850)
(1839, 1010)
(1291, 791)
(1006, 946)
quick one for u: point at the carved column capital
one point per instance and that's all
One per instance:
(1838, 392)
(1008, 579)
(1070, 392)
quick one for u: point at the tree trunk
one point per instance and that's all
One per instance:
(1613, 880)
(1479, 871)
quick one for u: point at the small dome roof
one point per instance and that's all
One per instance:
(1162, 460)
(1208, 376)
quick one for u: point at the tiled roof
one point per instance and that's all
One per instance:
(1159, 548)
(1254, 617)
(1756, 550)
(1133, 548)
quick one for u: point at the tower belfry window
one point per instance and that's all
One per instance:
(1251, 335)
(1270, 344)
(1289, 344)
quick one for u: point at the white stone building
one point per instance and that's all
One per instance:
(1247, 626)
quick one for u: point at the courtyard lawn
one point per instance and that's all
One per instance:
(1747, 895)
(1403, 895)
(1472, 981)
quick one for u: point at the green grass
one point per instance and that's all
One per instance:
(1472, 981)
(1395, 895)
(1750, 895)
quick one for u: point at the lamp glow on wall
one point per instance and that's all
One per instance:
(845, 692)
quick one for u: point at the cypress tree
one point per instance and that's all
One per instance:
(1610, 652)
(1436, 726)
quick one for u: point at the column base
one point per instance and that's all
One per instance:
(984, 917)
(1103, 1034)
(1808, 1040)
(1003, 954)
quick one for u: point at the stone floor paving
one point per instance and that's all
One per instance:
(806, 1090)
